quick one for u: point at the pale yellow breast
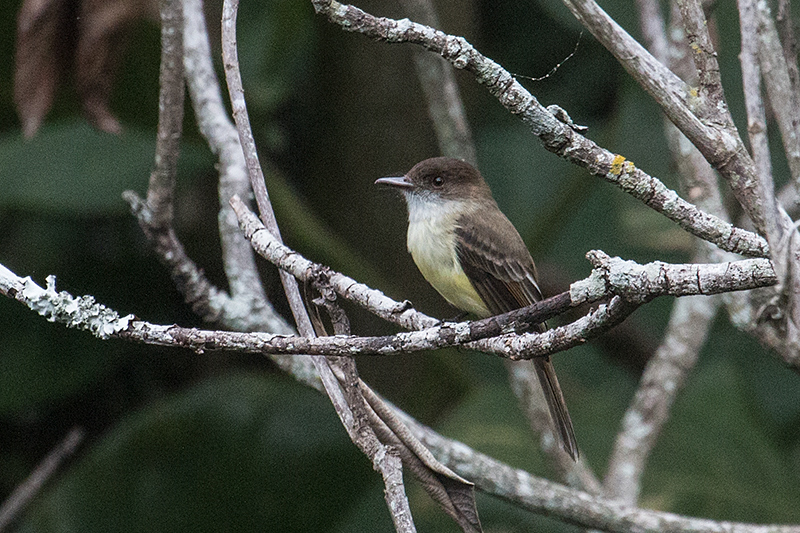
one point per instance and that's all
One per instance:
(431, 242)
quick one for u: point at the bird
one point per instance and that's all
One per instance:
(472, 254)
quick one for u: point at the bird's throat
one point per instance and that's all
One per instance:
(431, 241)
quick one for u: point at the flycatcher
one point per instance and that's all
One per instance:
(474, 257)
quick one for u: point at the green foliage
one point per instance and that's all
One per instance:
(238, 453)
(33, 375)
(692, 471)
(70, 168)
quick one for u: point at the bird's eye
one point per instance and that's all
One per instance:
(438, 181)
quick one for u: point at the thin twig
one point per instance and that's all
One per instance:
(27, 490)
(155, 215)
(161, 190)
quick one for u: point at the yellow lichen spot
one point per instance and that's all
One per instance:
(693, 92)
(616, 165)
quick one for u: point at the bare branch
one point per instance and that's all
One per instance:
(491, 476)
(691, 318)
(514, 347)
(248, 309)
(783, 95)
(161, 190)
(634, 284)
(340, 396)
(155, 216)
(712, 130)
(282, 256)
(84, 313)
(527, 388)
(660, 383)
(384, 460)
(754, 103)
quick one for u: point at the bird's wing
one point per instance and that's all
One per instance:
(505, 280)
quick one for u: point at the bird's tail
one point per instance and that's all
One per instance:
(555, 402)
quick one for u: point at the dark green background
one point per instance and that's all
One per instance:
(185, 442)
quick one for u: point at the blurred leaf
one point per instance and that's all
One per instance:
(40, 59)
(72, 168)
(33, 375)
(275, 39)
(101, 40)
(234, 453)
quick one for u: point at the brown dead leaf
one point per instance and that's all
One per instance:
(101, 42)
(44, 37)
(87, 36)
(454, 494)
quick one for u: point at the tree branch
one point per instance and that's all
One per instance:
(386, 461)
(551, 499)
(247, 308)
(754, 103)
(782, 93)
(691, 318)
(716, 138)
(338, 394)
(161, 190)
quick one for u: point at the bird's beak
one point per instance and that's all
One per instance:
(400, 182)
